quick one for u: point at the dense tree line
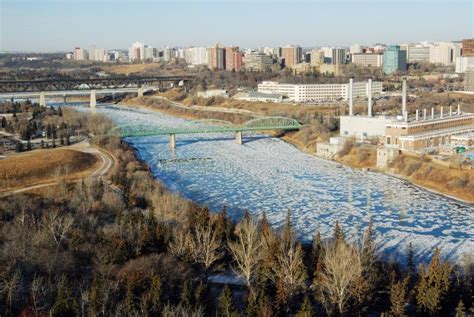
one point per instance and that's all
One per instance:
(133, 248)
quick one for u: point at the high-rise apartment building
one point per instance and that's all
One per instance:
(317, 57)
(136, 52)
(233, 58)
(394, 59)
(444, 53)
(216, 57)
(80, 54)
(355, 49)
(196, 56)
(291, 55)
(468, 47)
(338, 56)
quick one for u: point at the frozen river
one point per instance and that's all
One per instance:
(267, 174)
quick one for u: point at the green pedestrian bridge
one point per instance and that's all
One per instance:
(207, 126)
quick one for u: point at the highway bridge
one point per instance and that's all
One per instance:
(208, 126)
(110, 82)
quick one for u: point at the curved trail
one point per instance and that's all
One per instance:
(107, 163)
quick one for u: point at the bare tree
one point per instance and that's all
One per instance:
(38, 294)
(180, 246)
(247, 250)
(289, 268)
(342, 268)
(10, 287)
(58, 226)
(205, 247)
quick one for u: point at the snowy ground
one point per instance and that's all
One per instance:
(267, 174)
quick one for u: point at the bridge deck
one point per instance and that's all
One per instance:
(158, 132)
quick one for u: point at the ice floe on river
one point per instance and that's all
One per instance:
(267, 174)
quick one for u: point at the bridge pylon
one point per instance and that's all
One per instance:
(42, 99)
(238, 137)
(172, 143)
(141, 90)
(93, 101)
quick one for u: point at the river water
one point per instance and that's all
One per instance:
(268, 175)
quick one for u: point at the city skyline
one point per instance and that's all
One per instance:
(115, 25)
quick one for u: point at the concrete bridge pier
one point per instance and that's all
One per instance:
(238, 137)
(172, 141)
(141, 90)
(64, 99)
(93, 101)
(42, 100)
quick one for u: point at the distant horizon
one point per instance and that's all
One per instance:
(88, 47)
(48, 26)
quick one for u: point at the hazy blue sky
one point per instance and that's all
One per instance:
(42, 25)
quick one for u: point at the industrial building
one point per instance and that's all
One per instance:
(319, 92)
(421, 132)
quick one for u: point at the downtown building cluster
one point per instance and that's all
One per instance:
(329, 60)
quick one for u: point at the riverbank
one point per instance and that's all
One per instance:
(357, 157)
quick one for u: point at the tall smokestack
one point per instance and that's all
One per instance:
(417, 115)
(459, 109)
(351, 97)
(432, 113)
(441, 114)
(404, 95)
(369, 97)
(450, 111)
(424, 114)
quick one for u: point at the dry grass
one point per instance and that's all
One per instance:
(454, 182)
(129, 69)
(41, 166)
(359, 157)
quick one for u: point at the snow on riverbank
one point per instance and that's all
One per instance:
(267, 174)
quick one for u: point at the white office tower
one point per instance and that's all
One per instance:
(136, 52)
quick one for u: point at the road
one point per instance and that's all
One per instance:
(107, 163)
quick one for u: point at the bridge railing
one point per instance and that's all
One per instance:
(208, 126)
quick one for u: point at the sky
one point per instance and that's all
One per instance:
(55, 25)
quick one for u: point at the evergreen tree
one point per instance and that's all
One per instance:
(4, 122)
(287, 236)
(186, 294)
(28, 145)
(281, 297)
(338, 234)
(410, 260)
(19, 147)
(226, 303)
(433, 285)
(54, 142)
(398, 298)
(199, 293)
(251, 308)
(65, 304)
(49, 131)
(129, 299)
(155, 294)
(42, 144)
(60, 112)
(306, 309)
(460, 310)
